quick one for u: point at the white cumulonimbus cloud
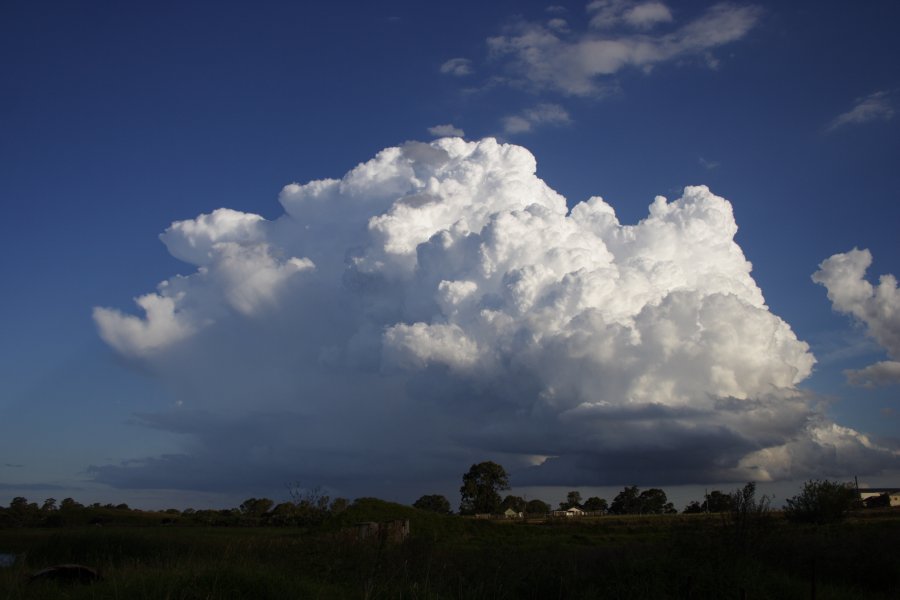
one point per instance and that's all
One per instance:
(875, 306)
(440, 304)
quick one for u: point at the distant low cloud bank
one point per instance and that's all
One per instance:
(440, 304)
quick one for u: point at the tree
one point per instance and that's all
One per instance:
(573, 500)
(516, 503)
(626, 502)
(693, 507)
(310, 504)
(821, 502)
(256, 507)
(480, 488)
(748, 519)
(654, 502)
(69, 504)
(284, 513)
(717, 502)
(339, 505)
(49, 505)
(537, 507)
(595, 504)
(433, 503)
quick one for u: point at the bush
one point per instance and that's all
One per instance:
(749, 519)
(434, 503)
(821, 502)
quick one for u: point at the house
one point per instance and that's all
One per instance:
(893, 494)
(511, 514)
(569, 512)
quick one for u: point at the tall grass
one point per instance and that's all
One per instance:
(454, 558)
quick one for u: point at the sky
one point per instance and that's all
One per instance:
(362, 247)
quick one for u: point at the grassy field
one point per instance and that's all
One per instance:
(679, 556)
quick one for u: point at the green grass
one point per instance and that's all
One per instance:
(452, 557)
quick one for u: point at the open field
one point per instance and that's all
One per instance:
(678, 556)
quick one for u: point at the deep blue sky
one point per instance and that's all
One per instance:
(118, 118)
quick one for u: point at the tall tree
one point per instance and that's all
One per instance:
(595, 504)
(573, 500)
(654, 502)
(717, 502)
(626, 502)
(256, 507)
(537, 507)
(516, 503)
(481, 487)
(433, 503)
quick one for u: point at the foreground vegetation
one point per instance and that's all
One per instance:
(759, 555)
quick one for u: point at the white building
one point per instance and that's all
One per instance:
(569, 512)
(892, 493)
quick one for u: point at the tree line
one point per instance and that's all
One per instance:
(820, 501)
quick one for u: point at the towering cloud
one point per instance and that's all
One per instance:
(439, 304)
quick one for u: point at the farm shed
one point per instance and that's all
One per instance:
(892, 493)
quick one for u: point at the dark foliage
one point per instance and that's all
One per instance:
(537, 507)
(514, 503)
(631, 501)
(434, 503)
(630, 557)
(573, 500)
(821, 502)
(750, 518)
(595, 504)
(481, 487)
(715, 502)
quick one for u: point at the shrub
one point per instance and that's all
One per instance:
(749, 518)
(434, 503)
(821, 502)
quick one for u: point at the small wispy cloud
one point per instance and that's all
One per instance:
(708, 164)
(559, 25)
(447, 130)
(644, 15)
(458, 67)
(547, 57)
(874, 107)
(542, 114)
